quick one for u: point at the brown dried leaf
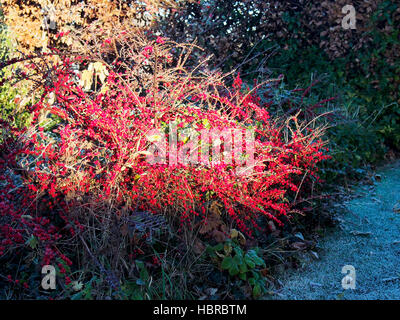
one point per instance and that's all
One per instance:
(198, 247)
(218, 236)
(298, 245)
(212, 222)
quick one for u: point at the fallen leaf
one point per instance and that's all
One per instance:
(242, 239)
(340, 296)
(212, 222)
(211, 291)
(272, 226)
(218, 236)
(360, 233)
(227, 248)
(215, 208)
(391, 279)
(124, 229)
(315, 284)
(86, 79)
(153, 138)
(77, 285)
(198, 247)
(234, 233)
(299, 245)
(264, 272)
(299, 235)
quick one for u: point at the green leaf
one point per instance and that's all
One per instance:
(234, 269)
(210, 250)
(259, 261)
(255, 258)
(32, 242)
(238, 251)
(144, 275)
(257, 290)
(252, 281)
(243, 267)
(238, 260)
(206, 123)
(249, 261)
(256, 275)
(77, 285)
(227, 263)
(77, 296)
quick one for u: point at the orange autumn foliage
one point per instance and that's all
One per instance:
(34, 24)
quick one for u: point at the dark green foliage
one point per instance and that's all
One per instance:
(303, 41)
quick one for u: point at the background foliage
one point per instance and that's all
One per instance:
(35, 23)
(304, 40)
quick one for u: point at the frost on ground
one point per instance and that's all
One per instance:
(368, 239)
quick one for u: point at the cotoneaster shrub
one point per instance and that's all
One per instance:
(81, 167)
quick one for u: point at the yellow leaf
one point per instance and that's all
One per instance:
(145, 153)
(234, 233)
(154, 137)
(227, 248)
(101, 70)
(86, 79)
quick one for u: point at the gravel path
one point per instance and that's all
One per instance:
(368, 238)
